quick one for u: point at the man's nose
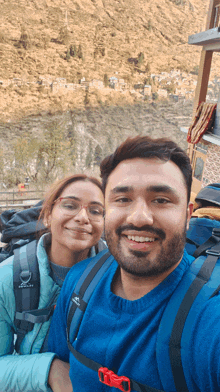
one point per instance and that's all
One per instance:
(140, 214)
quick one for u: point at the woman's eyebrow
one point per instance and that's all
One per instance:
(96, 203)
(79, 199)
(72, 197)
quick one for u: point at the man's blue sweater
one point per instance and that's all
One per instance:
(121, 335)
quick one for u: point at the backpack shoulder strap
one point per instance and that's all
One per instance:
(199, 284)
(26, 281)
(83, 291)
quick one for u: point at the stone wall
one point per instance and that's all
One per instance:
(211, 171)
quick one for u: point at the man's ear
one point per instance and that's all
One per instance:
(189, 213)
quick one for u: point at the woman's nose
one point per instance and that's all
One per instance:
(82, 215)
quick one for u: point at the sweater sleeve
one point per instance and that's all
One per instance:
(18, 372)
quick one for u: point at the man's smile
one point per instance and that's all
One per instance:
(140, 239)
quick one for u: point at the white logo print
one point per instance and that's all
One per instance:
(25, 285)
(77, 301)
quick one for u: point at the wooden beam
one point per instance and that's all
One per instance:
(205, 62)
(203, 78)
(205, 37)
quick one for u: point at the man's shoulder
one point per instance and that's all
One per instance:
(78, 269)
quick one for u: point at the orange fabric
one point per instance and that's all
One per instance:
(202, 122)
(207, 212)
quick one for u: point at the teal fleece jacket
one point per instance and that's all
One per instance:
(29, 371)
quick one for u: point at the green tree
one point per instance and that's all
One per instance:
(106, 80)
(140, 58)
(41, 159)
(24, 40)
(86, 99)
(149, 25)
(68, 55)
(80, 52)
(73, 51)
(53, 153)
(63, 37)
(24, 151)
(195, 70)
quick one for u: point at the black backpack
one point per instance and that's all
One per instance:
(18, 226)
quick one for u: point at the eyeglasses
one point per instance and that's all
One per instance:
(72, 207)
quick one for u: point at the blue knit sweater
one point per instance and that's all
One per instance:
(122, 334)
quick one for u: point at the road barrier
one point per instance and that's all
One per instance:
(14, 199)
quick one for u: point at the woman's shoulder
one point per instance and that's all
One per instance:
(6, 267)
(6, 274)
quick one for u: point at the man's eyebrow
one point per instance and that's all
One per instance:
(122, 189)
(151, 188)
(162, 188)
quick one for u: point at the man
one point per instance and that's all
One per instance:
(147, 187)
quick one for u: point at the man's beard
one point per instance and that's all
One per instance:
(137, 262)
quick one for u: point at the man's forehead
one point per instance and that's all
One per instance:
(147, 172)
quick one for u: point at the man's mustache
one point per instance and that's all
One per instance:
(159, 232)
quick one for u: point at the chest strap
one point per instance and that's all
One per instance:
(108, 377)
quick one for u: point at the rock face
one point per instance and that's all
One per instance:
(107, 126)
(93, 39)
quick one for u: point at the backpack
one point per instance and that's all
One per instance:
(18, 226)
(201, 235)
(199, 284)
(19, 231)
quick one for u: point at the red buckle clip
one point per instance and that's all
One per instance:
(108, 377)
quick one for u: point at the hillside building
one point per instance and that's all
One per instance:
(147, 89)
(162, 93)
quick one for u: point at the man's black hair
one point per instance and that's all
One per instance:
(146, 147)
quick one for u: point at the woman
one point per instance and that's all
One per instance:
(73, 214)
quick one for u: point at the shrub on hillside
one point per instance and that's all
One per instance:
(24, 40)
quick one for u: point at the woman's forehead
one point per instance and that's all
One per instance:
(83, 190)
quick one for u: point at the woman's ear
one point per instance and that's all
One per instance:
(47, 222)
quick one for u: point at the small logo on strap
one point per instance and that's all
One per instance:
(25, 285)
(76, 300)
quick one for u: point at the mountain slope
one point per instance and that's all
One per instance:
(36, 36)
